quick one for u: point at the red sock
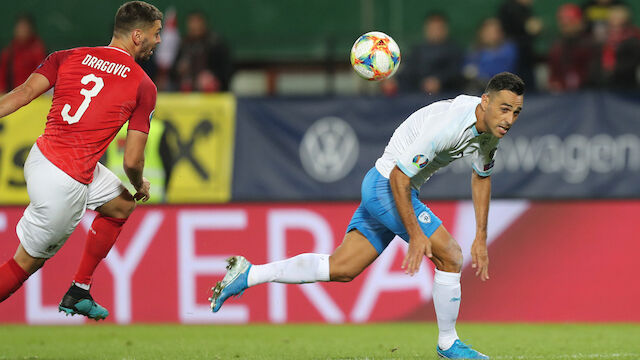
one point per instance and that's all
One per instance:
(102, 235)
(11, 278)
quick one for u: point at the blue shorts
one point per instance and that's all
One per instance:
(377, 217)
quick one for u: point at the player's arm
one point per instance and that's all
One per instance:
(134, 163)
(33, 87)
(137, 133)
(41, 80)
(419, 243)
(424, 148)
(481, 194)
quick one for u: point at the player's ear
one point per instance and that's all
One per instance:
(484, 103)
(137, 36)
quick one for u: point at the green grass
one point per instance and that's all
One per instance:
(377, 341)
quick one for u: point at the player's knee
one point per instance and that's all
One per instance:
(340, 272)
(343, 276)
(124, 209)
(452, 261)
(128, 210)
(125, 205)
(28, 263)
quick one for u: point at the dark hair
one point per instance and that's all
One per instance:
(28, 18)
(198, 13)
(134, 14)
(506, 81)
(436, 15)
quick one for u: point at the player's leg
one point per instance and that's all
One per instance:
(364, 240)
(15, 271)
(347, 261)
(114, 204)
(56, 206)
(102, 235)
(27, 262)
(447, 256)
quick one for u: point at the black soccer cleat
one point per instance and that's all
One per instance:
(79, 301)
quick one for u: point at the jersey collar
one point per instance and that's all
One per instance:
(475, 131)
(118, 49)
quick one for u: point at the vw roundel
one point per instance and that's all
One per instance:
(420, 161)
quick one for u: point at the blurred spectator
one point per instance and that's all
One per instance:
(25, 52)
(621, 50)
(596, 15)
(571, 57)
(490, 55)
(167, 50)
(204, 61)
(149, 66)
(519, 24)
(434, 65)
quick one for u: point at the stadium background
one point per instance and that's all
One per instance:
(273, 176)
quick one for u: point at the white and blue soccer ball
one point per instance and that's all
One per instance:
(375, 56)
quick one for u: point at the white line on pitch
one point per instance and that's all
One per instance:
(570, 356)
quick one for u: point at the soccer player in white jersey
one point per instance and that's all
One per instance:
(429, 139)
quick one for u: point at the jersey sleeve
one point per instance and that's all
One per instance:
(423, 150)
(49, 67)
(145, 105)
(483, 159)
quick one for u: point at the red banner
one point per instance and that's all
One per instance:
(550, 261)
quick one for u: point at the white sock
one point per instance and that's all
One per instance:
(304, 268)
(82, 286)
(446, 300)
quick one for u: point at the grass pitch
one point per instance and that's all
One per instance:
(375, 341)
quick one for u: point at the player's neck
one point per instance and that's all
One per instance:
(480, 125)
(121, 45)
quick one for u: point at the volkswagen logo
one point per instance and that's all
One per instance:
(329, 149)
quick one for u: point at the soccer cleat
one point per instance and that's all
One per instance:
(460, 350)
(234, 282)
(79, 301)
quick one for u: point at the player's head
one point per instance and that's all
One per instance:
(501, 103)
(138, 23)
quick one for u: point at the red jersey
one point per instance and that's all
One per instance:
(96, 90)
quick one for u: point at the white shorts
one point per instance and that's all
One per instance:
(58, 203)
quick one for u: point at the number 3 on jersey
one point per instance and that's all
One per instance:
(88, 94)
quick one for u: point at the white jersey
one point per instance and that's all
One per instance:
(436, 135)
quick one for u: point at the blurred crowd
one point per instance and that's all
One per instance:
(22, 55)
(597, 45)
(198, 61)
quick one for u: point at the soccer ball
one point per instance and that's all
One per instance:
(375, 56)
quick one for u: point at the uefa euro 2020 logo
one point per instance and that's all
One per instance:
(420, 161)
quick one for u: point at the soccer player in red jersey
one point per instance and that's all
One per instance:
(96, 91)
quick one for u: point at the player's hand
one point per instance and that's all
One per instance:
(142, 193)
(418, 247)
(480, 258)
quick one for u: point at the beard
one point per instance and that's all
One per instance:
(146, 50)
